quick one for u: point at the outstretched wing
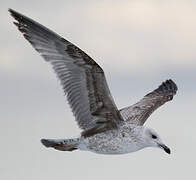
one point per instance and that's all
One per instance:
(139, 112)
(83, 80)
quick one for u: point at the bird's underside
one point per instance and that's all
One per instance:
(85, 86)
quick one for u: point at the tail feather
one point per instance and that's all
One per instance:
(61, 145)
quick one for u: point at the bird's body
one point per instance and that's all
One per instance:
(123, 140)
(106, 130)
(127, 138)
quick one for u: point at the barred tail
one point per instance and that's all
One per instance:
(61, 144)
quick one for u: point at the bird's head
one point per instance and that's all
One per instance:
(152, 139)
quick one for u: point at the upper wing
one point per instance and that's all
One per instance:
(82, 78)
(139, 112)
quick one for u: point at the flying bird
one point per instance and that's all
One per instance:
(105, 129)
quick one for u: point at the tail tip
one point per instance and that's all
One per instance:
(46, 142)
(61, 145)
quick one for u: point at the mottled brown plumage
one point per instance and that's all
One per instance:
(139, 112)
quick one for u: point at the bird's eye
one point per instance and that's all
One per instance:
(154, 137)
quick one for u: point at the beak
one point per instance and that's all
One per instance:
(165, 148)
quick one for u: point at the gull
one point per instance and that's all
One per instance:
(105, 129)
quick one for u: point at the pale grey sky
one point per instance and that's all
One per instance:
(139, 44)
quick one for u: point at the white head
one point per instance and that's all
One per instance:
(151, 139)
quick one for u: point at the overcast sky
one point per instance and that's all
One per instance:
(139, 44)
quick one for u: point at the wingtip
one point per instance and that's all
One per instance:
(168, 86)
(16, 15)
(172, 83)
(11, 11)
